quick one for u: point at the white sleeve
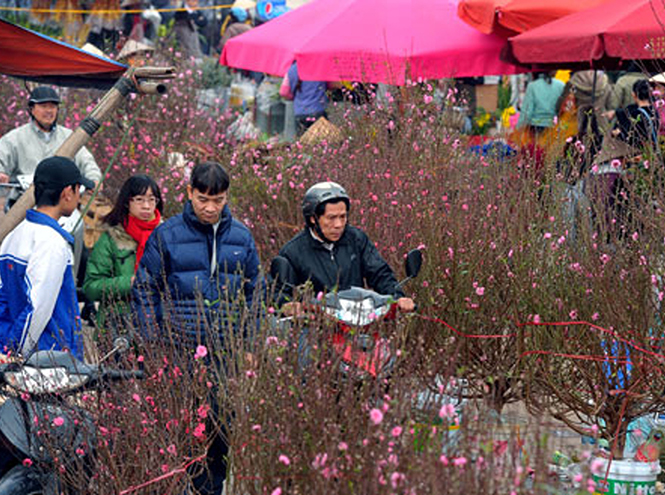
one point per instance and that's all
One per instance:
(44, 276)
(7, 154)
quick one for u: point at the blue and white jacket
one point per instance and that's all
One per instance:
(38, 304)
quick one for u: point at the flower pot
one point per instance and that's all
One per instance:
(627, 478)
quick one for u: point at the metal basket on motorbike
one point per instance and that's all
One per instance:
(357, 341)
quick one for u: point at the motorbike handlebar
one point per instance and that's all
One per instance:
(116, 375)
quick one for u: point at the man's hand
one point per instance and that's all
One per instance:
(251, 360)
(292, 309)
(406, 304)
(4, 178)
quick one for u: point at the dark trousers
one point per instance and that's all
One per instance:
(211, 481)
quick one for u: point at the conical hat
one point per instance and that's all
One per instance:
(132, 47)
(321, 130)
(90, 48)
(658, 78)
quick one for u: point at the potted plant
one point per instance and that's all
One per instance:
(597, 377)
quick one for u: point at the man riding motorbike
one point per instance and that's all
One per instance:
(23, 148)
(332, 255)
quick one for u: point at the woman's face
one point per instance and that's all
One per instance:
(143, 205)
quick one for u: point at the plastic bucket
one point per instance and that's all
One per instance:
(627, 478)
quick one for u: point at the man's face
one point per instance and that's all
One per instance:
(207, 207)
(45, 114)
(333, 221)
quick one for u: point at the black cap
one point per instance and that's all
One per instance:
(43, 94)
(58, 172)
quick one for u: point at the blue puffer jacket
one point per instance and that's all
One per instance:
(176, 266)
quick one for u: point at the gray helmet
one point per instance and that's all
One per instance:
(323, 192)
(43, 94)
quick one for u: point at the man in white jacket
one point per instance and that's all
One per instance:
(21, 149)
(38, 304)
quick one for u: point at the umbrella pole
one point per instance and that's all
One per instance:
(593, 89)
(137, 80)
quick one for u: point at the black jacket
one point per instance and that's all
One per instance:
(638, 126)
(353, 261)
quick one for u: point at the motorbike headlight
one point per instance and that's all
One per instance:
(358, 313)
(44, 380)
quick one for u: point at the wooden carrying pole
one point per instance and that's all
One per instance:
(136, 80)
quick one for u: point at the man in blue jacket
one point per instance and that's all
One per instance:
(198, 261)
(38, 305)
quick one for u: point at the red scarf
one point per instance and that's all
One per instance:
(140, 230)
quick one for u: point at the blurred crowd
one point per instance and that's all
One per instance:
(197, 26)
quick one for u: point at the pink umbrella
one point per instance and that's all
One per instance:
(387, 41)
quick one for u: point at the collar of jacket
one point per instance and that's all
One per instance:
(121, 238)
(41, 133)
(40, 218)
(191, 219)
(318, 244)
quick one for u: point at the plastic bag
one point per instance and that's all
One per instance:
(267, 94)
(243, 127)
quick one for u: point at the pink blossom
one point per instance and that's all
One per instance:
(343, 446)
(396, 478)
(376, 416)
(447, 411)
(276, 491)
(171, 449)
(397, 431)
(459, 461)
(201, 352)
(27, 462)
(59, 421)
(199, 430)
(284, 460)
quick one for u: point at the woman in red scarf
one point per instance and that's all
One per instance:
(116, 255)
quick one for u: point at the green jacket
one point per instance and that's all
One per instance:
(108, 276)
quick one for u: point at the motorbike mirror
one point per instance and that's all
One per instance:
(120, 346)
(282, 271)
(413, 262)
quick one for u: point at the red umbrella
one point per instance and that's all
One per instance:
(618, 30)
(482, 14)
(370, 41)
(25, 53)
(510, 17)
